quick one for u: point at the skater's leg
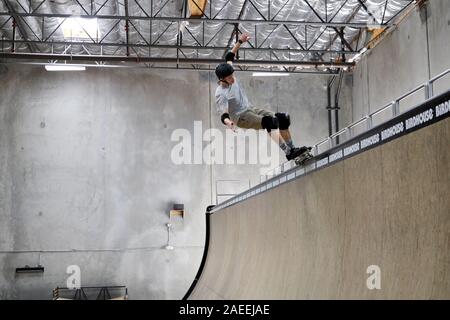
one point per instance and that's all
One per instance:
(286, 135)
(270, 123)
(277, 137)
(284, 121)
(255, 118)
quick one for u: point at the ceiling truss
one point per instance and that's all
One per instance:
(193, 47)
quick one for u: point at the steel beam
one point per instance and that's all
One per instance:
(176, 19)
(341, 34)
(69, 57)
(186, 47)
(147, 66)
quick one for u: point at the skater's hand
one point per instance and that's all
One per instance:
(244, 37)
(230, 125)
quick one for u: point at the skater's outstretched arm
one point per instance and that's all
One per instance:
(226, 81)
(243, 38)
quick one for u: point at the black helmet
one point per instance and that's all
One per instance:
(224, 70)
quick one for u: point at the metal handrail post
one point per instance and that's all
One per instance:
(395, 108)
(428, 90)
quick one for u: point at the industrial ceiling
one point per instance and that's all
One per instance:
(308, 36)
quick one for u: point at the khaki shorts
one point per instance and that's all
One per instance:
(252, 117)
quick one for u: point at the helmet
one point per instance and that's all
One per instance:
(224, 70)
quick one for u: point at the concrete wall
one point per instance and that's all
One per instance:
(413, 53)
(86, 176)
(87, 179)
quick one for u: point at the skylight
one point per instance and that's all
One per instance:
(80, 28)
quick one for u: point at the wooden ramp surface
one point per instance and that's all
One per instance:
(315, 237)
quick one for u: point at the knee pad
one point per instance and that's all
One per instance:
(284, 120)
(269, 123)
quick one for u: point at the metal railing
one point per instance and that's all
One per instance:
(227, 194)
(88, 293)
(349, 131)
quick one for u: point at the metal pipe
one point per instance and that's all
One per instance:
(13, 47)
(429, 90)
(440, 76)
(336, 119)
(411, 92)
(354, 124)
(336, 104)
(338, 133)
(381, 109)
(127, 27)
(330, 129)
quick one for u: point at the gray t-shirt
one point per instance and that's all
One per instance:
(232, 98)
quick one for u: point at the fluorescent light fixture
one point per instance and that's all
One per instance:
(28, 269)
(64, 67)
(270, 74)
(357, 56)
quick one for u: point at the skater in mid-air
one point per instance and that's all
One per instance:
(233, 106)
